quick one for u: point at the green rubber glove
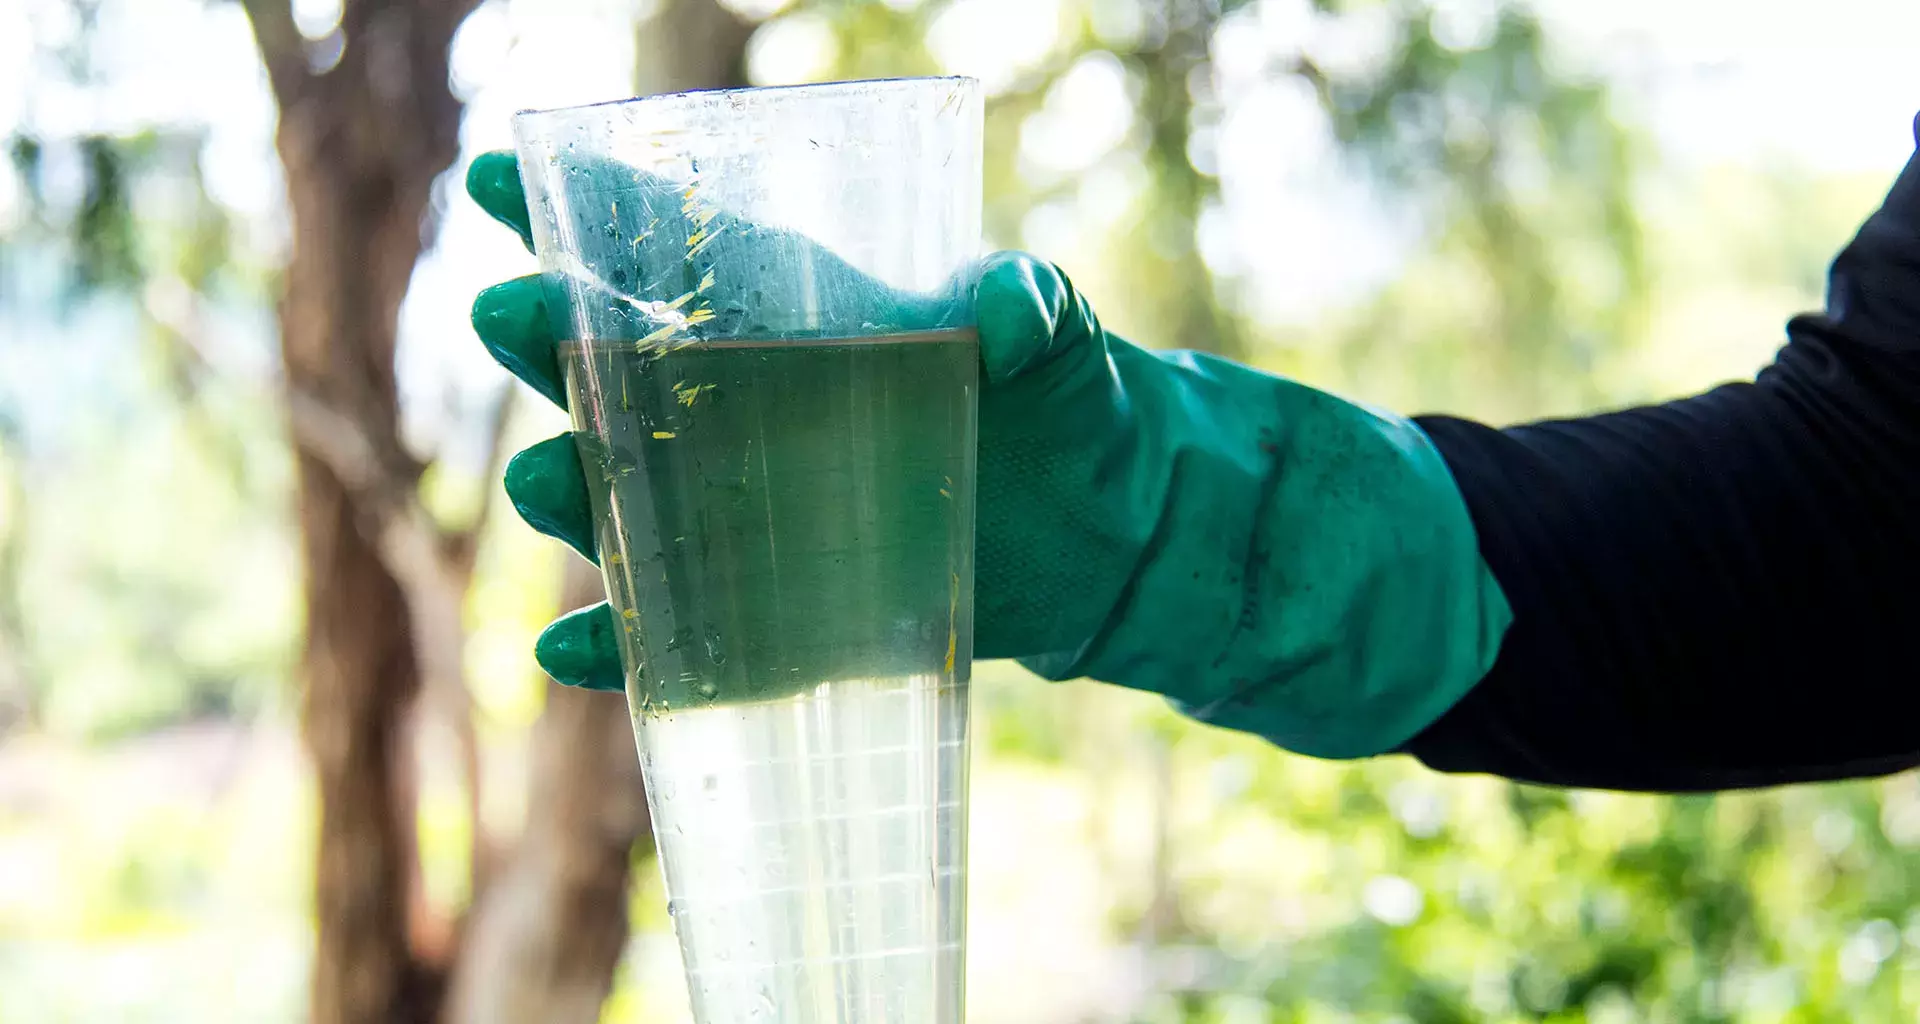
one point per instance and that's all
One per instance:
(1269, 557)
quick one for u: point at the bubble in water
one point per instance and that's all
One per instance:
(676, 907)
(708, 690)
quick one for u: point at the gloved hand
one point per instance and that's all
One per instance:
(1269, 557)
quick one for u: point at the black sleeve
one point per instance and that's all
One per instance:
(1719, 592)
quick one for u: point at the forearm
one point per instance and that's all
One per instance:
(1719, 592)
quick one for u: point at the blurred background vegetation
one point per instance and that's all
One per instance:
(1490, 207)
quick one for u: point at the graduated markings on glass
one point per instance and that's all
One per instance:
(787, 543)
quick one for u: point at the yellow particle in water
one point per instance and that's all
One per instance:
(705, 282)
(953, 616)
(616, 558)
(630, 613)
(659, 335)
(689, 394)
(705, 238)
(662, 435)
(644, 235)
(699, 316)
(944, 493)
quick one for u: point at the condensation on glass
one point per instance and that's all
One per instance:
(773, 372)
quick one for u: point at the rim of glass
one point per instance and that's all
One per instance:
(804, 88)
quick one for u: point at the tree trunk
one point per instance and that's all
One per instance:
(1177, 50)
(692, 44)
(361, 142)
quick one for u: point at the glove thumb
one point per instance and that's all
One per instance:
(1031, 318)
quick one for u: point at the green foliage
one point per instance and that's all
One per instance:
(113, 238)
(1307, 891)
(143, 465)
(1523, 159)
(103, 230)
(149, 473)
(1530, 179)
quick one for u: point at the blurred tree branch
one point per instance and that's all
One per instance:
(282, 48)
(546, 938)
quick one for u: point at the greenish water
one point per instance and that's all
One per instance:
(772, 516)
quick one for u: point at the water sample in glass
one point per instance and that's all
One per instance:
(773, 373)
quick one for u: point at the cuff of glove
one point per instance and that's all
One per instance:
(1318, 583)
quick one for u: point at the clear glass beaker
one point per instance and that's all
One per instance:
(773, 374)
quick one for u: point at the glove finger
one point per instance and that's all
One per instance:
(493, 180)
(511, 320)
(581, 648)
(1030, 316)
(549, 490)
